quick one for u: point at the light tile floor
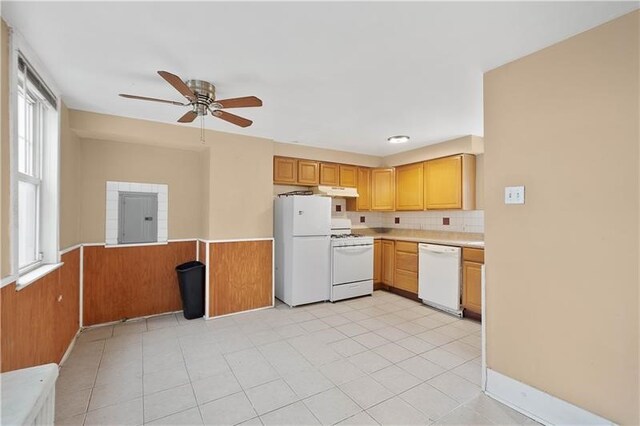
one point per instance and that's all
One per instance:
(382, 359)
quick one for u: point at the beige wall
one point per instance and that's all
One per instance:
(70, 183)
(464, 145)
(240, 185)
(205, 158)
(236, 172)
(562, 270)
(5, 243)
(104, 161)
(329, 155)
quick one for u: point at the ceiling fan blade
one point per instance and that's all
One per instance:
(144, 98)
(188, 117)
(231, 118)
(178, 84)
(247, 101)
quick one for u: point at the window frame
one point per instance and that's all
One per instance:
(49, 197)
(38, 126)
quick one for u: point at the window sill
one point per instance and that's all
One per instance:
(36, 274)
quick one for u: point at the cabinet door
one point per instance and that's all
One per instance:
(388, 262)
(285, 170)
(329, 174)
(406, 263)
(308, 172)
(383, 189)
(472, 286)
(364, 189)
(348, 175)
(407, 281)
(363, 181)
(443, 183)
(410, 187)
(377, 261)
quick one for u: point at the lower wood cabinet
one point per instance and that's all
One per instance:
(377, 261)
(406, 266)
(472, 261)
(395, 264)
(388, 262)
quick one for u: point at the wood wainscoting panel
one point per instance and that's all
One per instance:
(67, 312)
(40, 321)
(202, 252)
(130, 282)
(241, 276)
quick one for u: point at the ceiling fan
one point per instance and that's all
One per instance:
(201, 97)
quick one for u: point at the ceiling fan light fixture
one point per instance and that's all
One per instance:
(398, 139)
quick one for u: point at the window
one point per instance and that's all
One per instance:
(36, 133)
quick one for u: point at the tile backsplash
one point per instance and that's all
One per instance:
(459, 220)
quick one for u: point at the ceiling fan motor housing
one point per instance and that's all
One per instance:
(206, 93)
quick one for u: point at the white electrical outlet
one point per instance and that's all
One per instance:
(514, 195)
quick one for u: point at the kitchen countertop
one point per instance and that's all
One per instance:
(458, 239)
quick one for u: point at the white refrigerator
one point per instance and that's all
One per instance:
(302, 228)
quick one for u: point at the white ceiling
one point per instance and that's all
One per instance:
(336, 75)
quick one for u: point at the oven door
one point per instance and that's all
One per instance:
(351, 264)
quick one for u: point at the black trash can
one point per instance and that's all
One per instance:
(191, 281)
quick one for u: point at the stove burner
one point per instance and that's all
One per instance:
(346, 235)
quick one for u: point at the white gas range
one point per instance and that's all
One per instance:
(351, 262)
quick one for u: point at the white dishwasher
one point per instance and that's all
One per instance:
(439, 277)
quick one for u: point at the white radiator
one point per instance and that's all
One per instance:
(28, 395)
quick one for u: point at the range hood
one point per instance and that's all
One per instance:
(336, 191)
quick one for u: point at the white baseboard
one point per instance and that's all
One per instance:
(102, 324)
(538, 405)
(273, 304)
(70, 347)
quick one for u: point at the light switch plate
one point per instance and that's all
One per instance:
(514, 195)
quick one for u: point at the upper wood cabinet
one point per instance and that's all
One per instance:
(299, 171)
(449, 183)
(348, 175)
(329, 174)
(383, 185)
(363, 185)
(285, 170)
(308, 172)
(388, 262)
(410, 187)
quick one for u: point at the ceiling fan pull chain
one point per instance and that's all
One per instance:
(202, 128)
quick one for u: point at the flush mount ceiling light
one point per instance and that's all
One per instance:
(398, 139)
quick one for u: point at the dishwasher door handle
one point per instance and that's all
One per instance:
(435, 249)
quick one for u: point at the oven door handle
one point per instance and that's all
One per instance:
(355, 249)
